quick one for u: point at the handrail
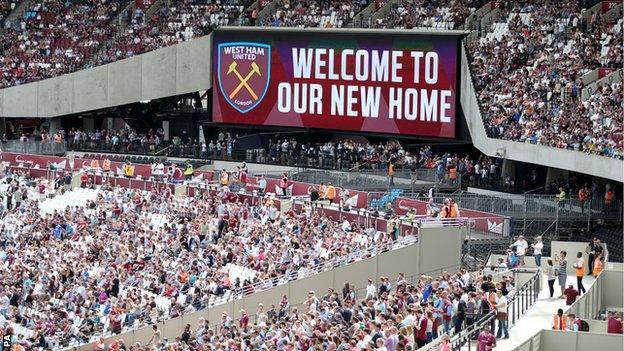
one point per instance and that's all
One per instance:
(520, 302)
(237, 293)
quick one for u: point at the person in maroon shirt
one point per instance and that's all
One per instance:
(614, 323)
(486, 340)
(421, 328)
(570, 294)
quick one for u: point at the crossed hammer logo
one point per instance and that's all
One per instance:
(243, 80)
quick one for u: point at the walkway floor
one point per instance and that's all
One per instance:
(538, 317)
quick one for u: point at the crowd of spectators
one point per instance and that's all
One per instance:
(441, 14)
(528, 78)
(390, 315)
(54, 37)
(182, 21)
(6, 6)
(315, 13)
(130, 257)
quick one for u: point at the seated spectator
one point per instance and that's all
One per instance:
(614, 323)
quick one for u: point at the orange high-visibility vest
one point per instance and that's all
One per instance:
(454, 211)
(580, 271)
(224, 178)
(322, 190)
(597, 267)
(560, 323)
(331, 192)
(95, 164)
(106, 164)
(391, 169)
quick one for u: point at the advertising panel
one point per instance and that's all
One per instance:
(381, 82)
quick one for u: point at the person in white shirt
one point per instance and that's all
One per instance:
(371, 290)
(521, 247)
(501, 266)
(537, 246)
(501, 315)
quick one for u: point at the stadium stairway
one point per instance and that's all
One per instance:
(538, 317)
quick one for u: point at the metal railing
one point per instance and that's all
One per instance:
(237, 293)
(46, 147)
(521, 301)
(531, 206)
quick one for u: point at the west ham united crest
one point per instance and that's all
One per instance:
(244, 73)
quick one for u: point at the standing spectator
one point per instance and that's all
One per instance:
(562, 270)
(597, 264)
(262, 184)
(570, 294)
(486, 340)
(580, 272)
(501, 315)
(537, 246)
(421, 328)
(561, 198)
(591, 252)
(330, 193)
(284, 184)
(550, 275)
(583, 196)
(371, 290)
(521, 247)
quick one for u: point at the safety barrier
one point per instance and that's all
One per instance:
(523, 299)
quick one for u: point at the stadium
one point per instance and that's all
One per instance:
(372, 175)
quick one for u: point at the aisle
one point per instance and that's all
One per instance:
(538, 317)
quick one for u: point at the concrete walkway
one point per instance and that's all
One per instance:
(538, 317)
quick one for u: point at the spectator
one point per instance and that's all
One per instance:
(597, 264)
(562, 270)
(614, 323)
(580, 272)
(570, 294)
(538, 246)
(521, 247)
(486, 340)
(560, 320)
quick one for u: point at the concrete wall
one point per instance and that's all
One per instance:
(549, 340)
(174, 70)
(571, 341)
(599, 166)
(613, 77)
(438, 249)
(612, 293)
